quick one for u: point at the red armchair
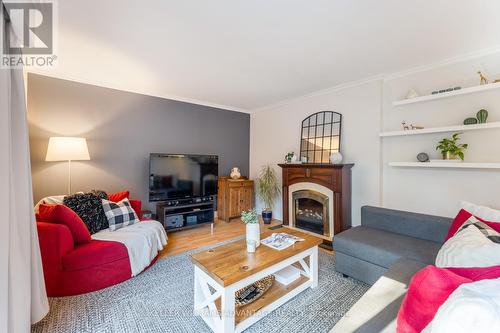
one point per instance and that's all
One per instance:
(72, 269)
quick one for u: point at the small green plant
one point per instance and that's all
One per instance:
(289, 156)
(450, 148)
(249, 216)
(268, 188)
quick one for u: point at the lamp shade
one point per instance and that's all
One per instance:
(67, 149)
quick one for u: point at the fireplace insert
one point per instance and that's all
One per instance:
(311, 211)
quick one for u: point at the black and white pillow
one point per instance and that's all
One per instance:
(485, 229)
(120, 214)
(475, 244)
(89, 207)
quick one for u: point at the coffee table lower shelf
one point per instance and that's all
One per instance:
(218, 309)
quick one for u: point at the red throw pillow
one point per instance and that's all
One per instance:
(462, 217)
(428, 290)
(63, 215)
(118, 196)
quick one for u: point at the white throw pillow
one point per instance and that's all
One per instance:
(472, 307)
(474, 245)
(483, 212)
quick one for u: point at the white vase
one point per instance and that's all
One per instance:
(253, 233)
(235, 173)
(335, 158)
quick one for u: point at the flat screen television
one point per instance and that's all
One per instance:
(176, 176)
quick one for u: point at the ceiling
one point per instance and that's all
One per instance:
(245, 54)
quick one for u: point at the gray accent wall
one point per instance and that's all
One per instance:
(122, 128)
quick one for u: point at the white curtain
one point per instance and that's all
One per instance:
(23, 299)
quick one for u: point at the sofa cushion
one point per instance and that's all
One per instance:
(118, 196)
(89, 207)
(428, 227)
(93, 254)
(429, 288)
(377, 310)
(475, 244)
(63, 215)
(119, 214)
(462, 217)
(382, 247)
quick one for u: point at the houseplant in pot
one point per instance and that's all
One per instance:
(451, 149)
(268, 190)
(251, 219)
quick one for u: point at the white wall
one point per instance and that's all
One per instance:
(367, 110)
(439, 191)
(276, 130)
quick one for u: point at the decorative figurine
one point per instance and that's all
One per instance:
(423, 157)
(483, 79)
(405, 127)
(411, 94)
(470, 121)
(235, 173)
(482, 115)
(416, 127)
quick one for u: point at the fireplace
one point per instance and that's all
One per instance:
(317, 198)
(311, 212)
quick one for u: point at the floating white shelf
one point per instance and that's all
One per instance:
(463, 91)
(454, 165)
(457, 128)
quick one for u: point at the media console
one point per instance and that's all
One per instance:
(186, 213)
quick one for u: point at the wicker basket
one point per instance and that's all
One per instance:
(262, 286)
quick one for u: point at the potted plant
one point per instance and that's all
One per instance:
(450, 148)
(267, 190)
(251, 219)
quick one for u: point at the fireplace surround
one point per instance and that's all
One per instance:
(317, 198)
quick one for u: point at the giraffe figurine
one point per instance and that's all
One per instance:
(483, 79)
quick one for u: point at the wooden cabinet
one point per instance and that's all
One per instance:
(233, 197)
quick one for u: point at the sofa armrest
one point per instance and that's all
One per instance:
(428, 227)
(137, 207)
(55, 242)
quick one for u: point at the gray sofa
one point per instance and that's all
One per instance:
(387, 249)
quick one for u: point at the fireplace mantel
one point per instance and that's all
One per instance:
(335, 177)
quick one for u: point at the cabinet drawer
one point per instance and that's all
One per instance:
(240, 183)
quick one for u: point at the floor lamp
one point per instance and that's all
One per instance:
(67, 149)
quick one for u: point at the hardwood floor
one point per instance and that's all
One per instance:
(190, 239)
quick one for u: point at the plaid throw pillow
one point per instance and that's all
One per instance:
(120, 214)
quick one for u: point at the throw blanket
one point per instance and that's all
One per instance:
(143, 241)
(472, 307)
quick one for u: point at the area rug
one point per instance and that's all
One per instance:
(161, 300)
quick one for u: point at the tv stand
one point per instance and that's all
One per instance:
(185, 214)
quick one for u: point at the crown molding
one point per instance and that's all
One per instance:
(444, 62)
(326, 91)
(138, 91)
(386, 77)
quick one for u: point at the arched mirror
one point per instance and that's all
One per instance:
(320, 136)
